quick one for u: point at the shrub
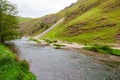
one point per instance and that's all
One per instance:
(55, 41)
(48, 41)
(36, 40)
(102, 49)
(107, 49)
(58, 46)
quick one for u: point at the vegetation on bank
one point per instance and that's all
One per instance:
(50, 41)
(103, 49)
(58, 46)
(8, 21)
(11, 68)
(35, 40)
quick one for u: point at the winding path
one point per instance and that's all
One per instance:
(50, 28)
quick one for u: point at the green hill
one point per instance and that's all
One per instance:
(22, 19)
(87, 21)
(93, 21)
(38, 25)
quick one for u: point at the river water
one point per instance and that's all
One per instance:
(48, 63)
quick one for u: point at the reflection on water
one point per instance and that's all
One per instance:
(52, 64)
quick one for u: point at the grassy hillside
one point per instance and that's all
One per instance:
(87, 21)
(26, 27)
(11, 68)
(90, 21)
(22, 19)
(36, 26)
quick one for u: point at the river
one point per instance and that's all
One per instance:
(48, 63)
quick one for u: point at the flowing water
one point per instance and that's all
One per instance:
(48, 63)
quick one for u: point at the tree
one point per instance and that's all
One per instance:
(8, 21)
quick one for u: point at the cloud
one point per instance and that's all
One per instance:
(38, 8)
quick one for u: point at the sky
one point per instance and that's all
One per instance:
(38, 8)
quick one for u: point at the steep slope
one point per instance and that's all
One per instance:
(38, 25)
(49, 29)
(27, 28)
(90, 21)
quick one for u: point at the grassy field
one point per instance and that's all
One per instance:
(11, 68)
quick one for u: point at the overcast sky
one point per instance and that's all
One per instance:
(38, 8)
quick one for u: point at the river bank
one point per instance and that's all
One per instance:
(79, 48)
(48, 63)
(11, 68)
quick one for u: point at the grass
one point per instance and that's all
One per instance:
(22, 20)
(31, 26)
(35, 40)
(50, 41)
(116, 52)
(58, 46)
(85, 16)
(11, 68)
(103, 49)
(53, 33)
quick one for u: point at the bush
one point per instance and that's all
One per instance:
(100, 48)
(58, 46)
(50, 41)
(107, 49)
(55, 41)
(103, 49)
(36, 40)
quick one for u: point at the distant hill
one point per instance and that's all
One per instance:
(38, 25)
(23, 19)
(86, 21)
